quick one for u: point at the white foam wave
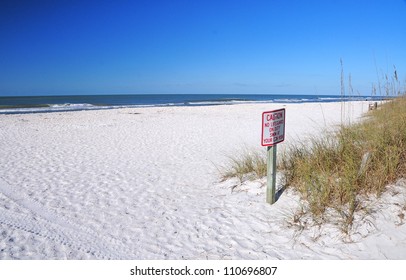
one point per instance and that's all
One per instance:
(70, 105)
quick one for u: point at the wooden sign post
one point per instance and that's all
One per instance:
(273, 132)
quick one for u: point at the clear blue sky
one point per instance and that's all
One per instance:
(235, 46)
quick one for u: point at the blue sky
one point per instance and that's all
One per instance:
(107, 47)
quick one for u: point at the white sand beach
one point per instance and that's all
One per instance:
(144, 183)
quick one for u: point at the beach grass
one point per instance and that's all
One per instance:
(335, 169)
(363, 158)
(248, 165)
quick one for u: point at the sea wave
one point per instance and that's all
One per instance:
(292, 100)
(70, 105)
(225, 102)
(54, 108)
(207, 103)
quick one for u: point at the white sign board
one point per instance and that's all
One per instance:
(273, 127)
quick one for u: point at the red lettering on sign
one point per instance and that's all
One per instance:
(274, 116)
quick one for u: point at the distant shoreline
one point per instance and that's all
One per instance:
(46, 104)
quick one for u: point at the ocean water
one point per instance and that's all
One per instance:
(33, 104)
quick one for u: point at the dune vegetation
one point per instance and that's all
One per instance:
(335, 170)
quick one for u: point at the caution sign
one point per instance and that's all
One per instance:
(273, 127)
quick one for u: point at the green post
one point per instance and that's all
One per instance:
(270, 174)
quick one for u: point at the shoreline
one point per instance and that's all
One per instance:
(48, 104)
